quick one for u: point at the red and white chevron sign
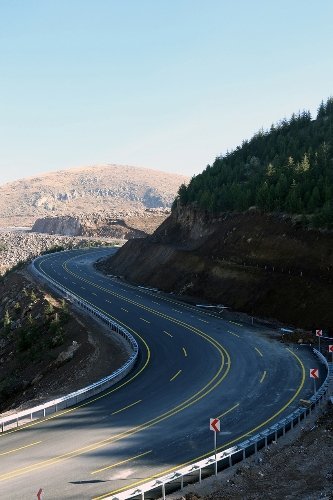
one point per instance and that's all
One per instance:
(319, 333)
(314, 373)
(330, 348)
(214, 424)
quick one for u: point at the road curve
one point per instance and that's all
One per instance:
(192, 366)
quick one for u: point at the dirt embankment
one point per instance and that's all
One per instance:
(267, 266)
(46, 349)
(294, 470)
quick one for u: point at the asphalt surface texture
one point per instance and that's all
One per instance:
(192, 366)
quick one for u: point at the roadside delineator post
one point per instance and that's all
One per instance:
(214, 425)
(319, 333)
(314, 373)
(330, 349)
(40, 494)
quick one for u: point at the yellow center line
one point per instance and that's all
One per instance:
(122, 462)
(220, 448)
(263, 377)
(145, 320)
(228, 411)
(126, 407)
(21, 448)
(123, 309)
(234, 334)
(259, 352)
(210, 386)
(184, 351)
(176, 375)
(167, 333)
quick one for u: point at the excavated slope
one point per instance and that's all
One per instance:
(267, 266)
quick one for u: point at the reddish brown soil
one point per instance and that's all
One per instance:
(267, 266)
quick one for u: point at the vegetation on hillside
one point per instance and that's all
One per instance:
(288, 168)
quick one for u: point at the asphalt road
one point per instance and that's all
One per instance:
(192, 366)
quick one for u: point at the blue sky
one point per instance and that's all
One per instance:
(166, 84)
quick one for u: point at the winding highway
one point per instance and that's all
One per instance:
(192, 366)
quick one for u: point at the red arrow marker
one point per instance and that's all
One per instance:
(330, 348)
(214, 424)
(319, 333)
(314, 373)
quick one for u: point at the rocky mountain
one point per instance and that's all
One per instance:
(107, 189)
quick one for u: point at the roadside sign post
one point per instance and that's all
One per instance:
(314, 373)
(319, 333)
(214, 425)
(330, 349)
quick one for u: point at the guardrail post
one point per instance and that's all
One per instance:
(199, 474)
(163, 491)
(256, 451)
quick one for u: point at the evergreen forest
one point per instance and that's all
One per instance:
(287, 169)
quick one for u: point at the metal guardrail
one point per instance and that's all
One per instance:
(43, 410)
(209, 466)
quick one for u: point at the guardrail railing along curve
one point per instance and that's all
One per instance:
(45, 409)
(195, 472)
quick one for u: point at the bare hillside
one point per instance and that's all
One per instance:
(111, 189)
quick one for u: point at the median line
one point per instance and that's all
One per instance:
(126, 407)
(228, 411)
(123, 309)
(145, 320)
(167, 333)
(177, 311)
(122, 462)
(263, 377)
(234, 334)
(185, 352)
(175, 375)
(20, 448)
(235, 323)
(259, 352)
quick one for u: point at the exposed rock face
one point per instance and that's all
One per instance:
(106, 189)
(133, 225)
(267, 266)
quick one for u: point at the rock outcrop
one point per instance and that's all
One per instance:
(265, 265)
(130, 225)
